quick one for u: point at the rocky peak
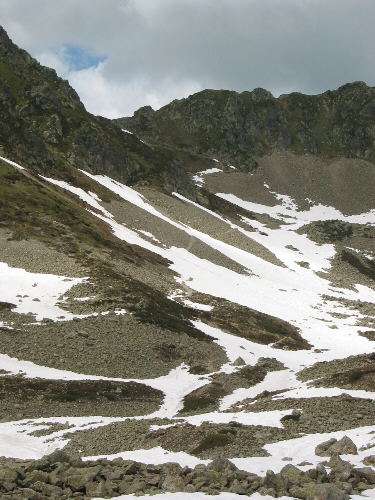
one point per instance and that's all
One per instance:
(238, 127)
(45, 126)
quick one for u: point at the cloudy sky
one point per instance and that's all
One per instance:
(123, 54)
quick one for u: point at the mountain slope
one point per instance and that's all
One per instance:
(45, 126)
(159, 305)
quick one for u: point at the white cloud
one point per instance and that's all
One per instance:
(158, 50)
(55, 61)
(104, 97)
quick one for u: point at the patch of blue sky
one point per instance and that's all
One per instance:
(78, 58)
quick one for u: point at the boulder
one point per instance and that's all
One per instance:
(237, 362)
(239, 487)
(221, 464)
(8, 475)
(34, 476)
(344, 446)
(340, 470)
(8, 479)
(173, 483)
(77, 479)
(367, 473)
(322, 448)
(369, 460)
(292, 474)
(313, 491)
(101, 489)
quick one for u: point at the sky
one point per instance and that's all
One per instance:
(120, 55)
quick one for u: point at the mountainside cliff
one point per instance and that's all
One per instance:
(238, 127)
(45, 125)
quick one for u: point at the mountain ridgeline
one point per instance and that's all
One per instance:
(239, 127)
(45, 126)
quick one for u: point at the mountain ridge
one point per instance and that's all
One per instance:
(235, 125)
(46, 126)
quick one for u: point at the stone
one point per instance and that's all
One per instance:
(238, 362)
(98, 489)
(78, 480)
(276, 482)
(314, 491)
(336, 462)
(8, 475)
(34, 476)
(132, 468)
(51, 491)
(61, 456)
(344, 446)
(292, 474)
(322, 448)
(8, 478)
(222, 465)
(138, 485)
(154, 480)
(267, 491)
(26, 493)
(190, 488)
(340, 470)
(294, 416)
(239, 487)
(321, 473)
(173, 483)
(114, 473)
(367, 473)
(369, 460)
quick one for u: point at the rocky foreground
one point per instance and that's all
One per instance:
(63, 476)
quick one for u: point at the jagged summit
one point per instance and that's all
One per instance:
(45, 125)
(238, 127)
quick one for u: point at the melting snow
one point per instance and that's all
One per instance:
(199, 176)
(13, 163)
(288, 210)
(35, 293)
(90, 198)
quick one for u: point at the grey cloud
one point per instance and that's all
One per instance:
(162, 49)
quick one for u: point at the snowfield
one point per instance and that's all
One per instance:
(300, 295)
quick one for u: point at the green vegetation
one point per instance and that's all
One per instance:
(31, 209)
(334, 230)
(254, 325)
(24, 389)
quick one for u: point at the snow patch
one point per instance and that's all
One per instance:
(13, 163)
(198, 178)
(90, 198)
(35, 293)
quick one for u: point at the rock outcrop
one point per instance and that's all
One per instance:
(238, 127)
(62, 476)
